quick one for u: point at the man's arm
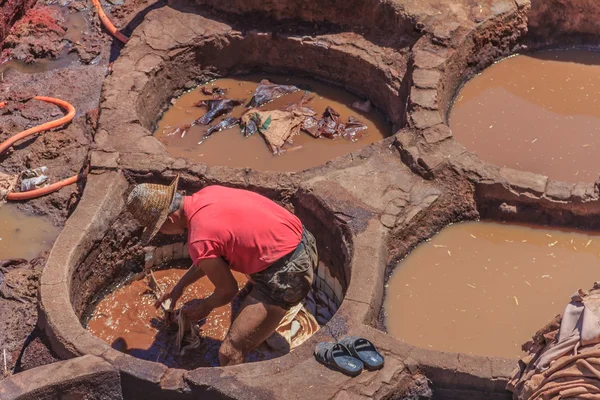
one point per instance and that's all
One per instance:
(226, 288)
(192, 275)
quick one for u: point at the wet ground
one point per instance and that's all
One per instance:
(537, 113)
(24, 235)
(231, 148)
(484, 288)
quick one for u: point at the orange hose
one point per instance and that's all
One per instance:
(40, 128)
(32, 194)
(107, 24)
(43, 127)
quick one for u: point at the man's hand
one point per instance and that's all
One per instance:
(196, 310)
(174, 294)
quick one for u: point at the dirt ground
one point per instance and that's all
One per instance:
(49, 63)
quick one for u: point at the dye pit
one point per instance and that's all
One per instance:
(230, 148)
(127, 320)
(23, 235)
(485, 288)
(537, 113)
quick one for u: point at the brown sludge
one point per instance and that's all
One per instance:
(538, 113)
(127, 320)
(478, 287)
(23, 235)
(229, 147)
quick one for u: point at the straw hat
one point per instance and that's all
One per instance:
(149, 204)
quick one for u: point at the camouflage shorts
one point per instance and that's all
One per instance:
(288, 281)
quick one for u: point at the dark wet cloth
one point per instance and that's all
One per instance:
(329, 126)
(227, 123)
(267, 91)
(353, 129)
(215, 108)
(287, 281)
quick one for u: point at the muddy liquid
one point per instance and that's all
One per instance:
(127, 320)
(538, 113)
(230, 148)
(23, 235)
(485, 288)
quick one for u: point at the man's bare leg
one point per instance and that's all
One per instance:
(253, 325)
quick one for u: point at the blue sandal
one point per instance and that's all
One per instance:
(365, 351)
(338, 357)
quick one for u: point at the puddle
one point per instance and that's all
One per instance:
(538, 113)
(23, 235)
(127, 320)
(39, 66)
(77, 26)
(231, 148)
(485, 288)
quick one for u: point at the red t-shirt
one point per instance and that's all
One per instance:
(249, 231)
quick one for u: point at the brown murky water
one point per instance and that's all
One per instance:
(24, 235)
(485, 288)
(127, 320)
(538, 113)
(231, 148)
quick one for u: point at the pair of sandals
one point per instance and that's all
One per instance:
(349, 355)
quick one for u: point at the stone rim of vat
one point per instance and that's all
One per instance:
(383, 224)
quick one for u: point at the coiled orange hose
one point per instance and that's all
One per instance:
(43, 127)
(36, 129)
(107, 24)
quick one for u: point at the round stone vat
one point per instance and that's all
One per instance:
(150, 73)
(446, 60)
(100, 248)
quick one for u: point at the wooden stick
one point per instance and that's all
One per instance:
(158, 292)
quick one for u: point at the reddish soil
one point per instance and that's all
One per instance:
(10, 12)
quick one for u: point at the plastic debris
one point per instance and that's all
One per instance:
(266, 92)
(34, 183)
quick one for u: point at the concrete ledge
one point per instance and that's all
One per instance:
(87, 377)
(101, 202)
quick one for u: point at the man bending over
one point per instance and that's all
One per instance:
(233, 229)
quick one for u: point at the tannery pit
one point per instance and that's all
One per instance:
(230, 147)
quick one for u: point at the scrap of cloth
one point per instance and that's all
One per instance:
(295, 328)
(7, 185)
(278, 127)
(563, 362)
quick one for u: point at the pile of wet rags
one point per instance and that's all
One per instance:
(563, 360)
(277, 127)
